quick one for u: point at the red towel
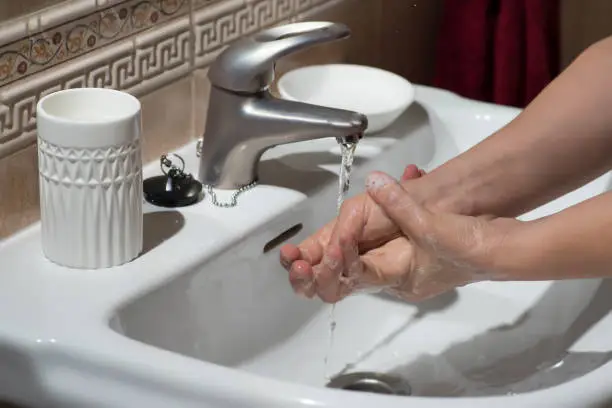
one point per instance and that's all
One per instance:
(501, 51)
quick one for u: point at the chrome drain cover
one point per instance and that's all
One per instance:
(376, 383)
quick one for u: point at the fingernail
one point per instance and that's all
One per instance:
(378, 180)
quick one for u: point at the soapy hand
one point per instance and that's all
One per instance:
(447, 250)
(433, 253)
(361, 221)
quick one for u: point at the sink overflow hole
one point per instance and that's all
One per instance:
(282, 237)
(374, 383)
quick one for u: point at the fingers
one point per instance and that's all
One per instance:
(328, 273)
(348, 233)
(328, 264)
(289, 253)
(310, 250)
(399, 206)
(388, 265)
(316, 265)
(411, 172)
(341, 258)
(301, 277)
(308, 280)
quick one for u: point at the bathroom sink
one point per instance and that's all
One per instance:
(206, 316)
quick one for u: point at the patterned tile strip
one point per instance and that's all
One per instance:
(69, 40)
(215, 27)
(144, 62)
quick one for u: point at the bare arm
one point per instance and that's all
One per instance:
(561, 141)
(572, 244)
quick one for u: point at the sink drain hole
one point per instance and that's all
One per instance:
(375, 383)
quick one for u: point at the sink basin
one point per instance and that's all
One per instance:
(206, 317)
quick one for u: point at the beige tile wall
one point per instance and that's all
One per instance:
(10, 9)
(583, 22)
(408, 36)
(18, 190)
(397, 35)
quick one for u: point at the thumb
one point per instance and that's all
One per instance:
(414, 220)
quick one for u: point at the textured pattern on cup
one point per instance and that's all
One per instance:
(90, 172)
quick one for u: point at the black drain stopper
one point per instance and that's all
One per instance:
(174, 188)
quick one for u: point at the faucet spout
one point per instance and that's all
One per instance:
(233, 146)
(282, 121)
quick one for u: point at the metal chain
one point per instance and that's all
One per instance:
(233, 202)
(199, 147)
(234, 198)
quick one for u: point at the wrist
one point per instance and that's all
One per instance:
(514, 255)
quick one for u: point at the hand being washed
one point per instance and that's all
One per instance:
(360, 221)
(432, 253)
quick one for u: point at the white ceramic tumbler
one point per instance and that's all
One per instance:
(90, 172)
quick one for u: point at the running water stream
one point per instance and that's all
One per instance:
(344, 184)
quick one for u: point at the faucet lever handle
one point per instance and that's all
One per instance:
(248, 64)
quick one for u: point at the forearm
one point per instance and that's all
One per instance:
(562, 140)
(574, 243)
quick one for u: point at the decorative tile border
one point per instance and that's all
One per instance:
(145, 61)
(93, 31)
(223, 23)
(138, 66)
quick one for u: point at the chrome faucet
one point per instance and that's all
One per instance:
(244, 119)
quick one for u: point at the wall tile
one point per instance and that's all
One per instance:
(50, 18)
(10, 9)
(396, 35)
(167, 118)
(218, 25)
(408, 37)
(109, 67)
(582, 24)
(223, 22)
(361, 16)
(19, 204)
(161, 55)
(138, 65)
(202, 3)
(89, 32)
(201, 93)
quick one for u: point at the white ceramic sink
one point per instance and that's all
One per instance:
(206, 317)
